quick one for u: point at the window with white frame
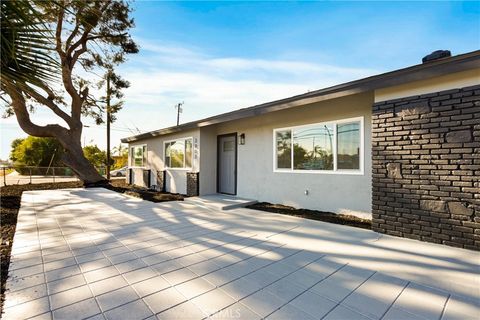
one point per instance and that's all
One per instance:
(178, 153)
(138, 156)
(335, 146)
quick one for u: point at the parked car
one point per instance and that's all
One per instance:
(122, 172)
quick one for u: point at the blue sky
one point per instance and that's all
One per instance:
(221, 56)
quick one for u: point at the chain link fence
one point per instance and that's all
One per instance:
(11, 175)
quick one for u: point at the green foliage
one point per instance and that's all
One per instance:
(120, 157)
(15, 143)
(37, 152)
(42, 39)
(318, 159)
(26, 44)
(96, 156)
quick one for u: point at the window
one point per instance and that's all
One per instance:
(323, 147)
(228, 145)
(284, 149)
(178, 153)
(313, 148)
(348, 145)
(138, 156)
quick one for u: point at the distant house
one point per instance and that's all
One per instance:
(5, 163)
(402, 148)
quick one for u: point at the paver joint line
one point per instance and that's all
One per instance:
(135, 242)
(171, 286)
(306, 290)
(273, 281)
(444, 306)
(89, 283)
(394, 300)
(284, 231)
(340, 302)
(85, 279)
(234, 278)
(43, 265)
(106, 257)
(141, 298)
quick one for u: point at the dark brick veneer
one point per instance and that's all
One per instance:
(193, 184)
(426, 167)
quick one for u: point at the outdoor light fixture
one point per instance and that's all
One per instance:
(242, 139)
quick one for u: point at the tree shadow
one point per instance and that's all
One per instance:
(170, 237)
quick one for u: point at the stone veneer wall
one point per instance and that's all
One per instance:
(426, 167)
(161, 180)
(193, 184)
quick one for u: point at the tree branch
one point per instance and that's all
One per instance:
(78, 53)
(67, 68)
(86, 32)
(107, 36)
(48, 102)
(23, 117)
(75, 29)
(58, 33)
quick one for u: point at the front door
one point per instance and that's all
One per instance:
(227, 164)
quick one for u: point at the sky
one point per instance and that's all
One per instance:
(221, 56)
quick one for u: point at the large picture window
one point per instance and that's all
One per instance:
(178, 153)
(323, 147)
(138, 156)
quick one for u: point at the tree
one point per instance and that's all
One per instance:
(86, 34)
(25, 46)
(15, 143)
(36, 152)
(284, 149)
(96, 156)
(120, 156)
(299, 155)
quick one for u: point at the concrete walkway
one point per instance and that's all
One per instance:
(220, 201)
(100, 255)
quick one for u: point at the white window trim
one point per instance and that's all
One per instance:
(184, 158)
(131, 159)
(360, 171)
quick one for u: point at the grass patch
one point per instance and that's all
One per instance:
(313, 215)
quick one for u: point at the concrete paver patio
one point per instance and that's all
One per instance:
(93, 253)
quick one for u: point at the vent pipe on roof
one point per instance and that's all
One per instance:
(436, 55)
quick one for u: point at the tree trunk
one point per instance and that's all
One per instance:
(76, 161)
(70, 139)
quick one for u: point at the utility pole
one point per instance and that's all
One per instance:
(178, 106)
(108, 125)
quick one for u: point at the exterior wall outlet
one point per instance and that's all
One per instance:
(306, 192)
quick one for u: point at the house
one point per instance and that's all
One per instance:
(401, 148)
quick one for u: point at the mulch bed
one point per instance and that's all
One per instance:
(10, 198)
(154, 196)
(313, 215)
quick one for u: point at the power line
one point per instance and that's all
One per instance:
(12, 126)
(125, 129)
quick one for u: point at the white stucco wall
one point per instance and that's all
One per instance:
(176, 179)
(256, 179)
(208, 160)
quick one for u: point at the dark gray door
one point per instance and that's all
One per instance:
(227, 164)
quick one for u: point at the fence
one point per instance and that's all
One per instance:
(12, 175)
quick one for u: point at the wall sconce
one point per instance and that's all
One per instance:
(242, 139)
